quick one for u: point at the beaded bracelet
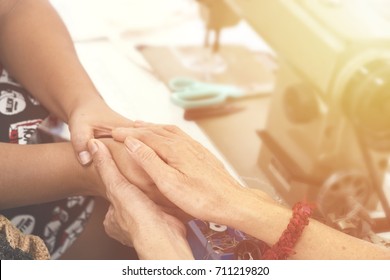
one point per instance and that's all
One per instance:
(282, 249)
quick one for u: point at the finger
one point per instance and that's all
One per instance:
(179, 152)
(169, 131)
(162, 141)
(175, 130)
(161, 144)
(160, 128)
(174, 150)
(147, 158)
(120, 134)
(139, 123)
(106, 167)
(79, 138)
(178, 213)
(102, 132)
(117, 186)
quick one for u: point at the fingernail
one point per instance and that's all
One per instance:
(85, 157)
(93, 147)
(132, 144)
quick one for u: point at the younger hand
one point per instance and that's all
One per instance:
(92, 120)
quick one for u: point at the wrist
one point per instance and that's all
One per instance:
(75, 108)
(260, 216)
(232, 210)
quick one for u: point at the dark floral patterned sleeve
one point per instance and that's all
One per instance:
(17, 246)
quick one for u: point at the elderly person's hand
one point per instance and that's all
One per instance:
(135, 219)
(196, 181)
(138, 177)
(184, 171)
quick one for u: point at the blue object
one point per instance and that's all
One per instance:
(208, 244)
(189, 93)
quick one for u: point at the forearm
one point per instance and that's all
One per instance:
(32, 174)
(267, 220)
(38, 51)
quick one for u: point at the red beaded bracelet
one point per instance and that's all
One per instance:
(282, 249)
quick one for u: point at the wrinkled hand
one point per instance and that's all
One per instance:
(184, 171)
(92, 119)
(135, 219)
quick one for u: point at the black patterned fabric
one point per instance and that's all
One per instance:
(58, 223)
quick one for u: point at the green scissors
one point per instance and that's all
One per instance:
(189, 93)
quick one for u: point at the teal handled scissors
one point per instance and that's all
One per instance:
(189, 93)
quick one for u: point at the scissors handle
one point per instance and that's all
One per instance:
(196, 99)
(182, 83)
(189, 93)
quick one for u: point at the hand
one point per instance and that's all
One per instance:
(184, 171)
(92, 119)
(138, 177)
(133, 218)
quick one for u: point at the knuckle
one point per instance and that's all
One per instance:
(146, 155)
(115, 186)
(100, 161)
(172, 128)
(201, 155)
(172, 152)
(168, 183)
(144, 134)
(140, 134)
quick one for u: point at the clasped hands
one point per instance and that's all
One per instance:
(188, 176)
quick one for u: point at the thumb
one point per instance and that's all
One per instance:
(153, 165)
(79, 138)
(107, 169)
